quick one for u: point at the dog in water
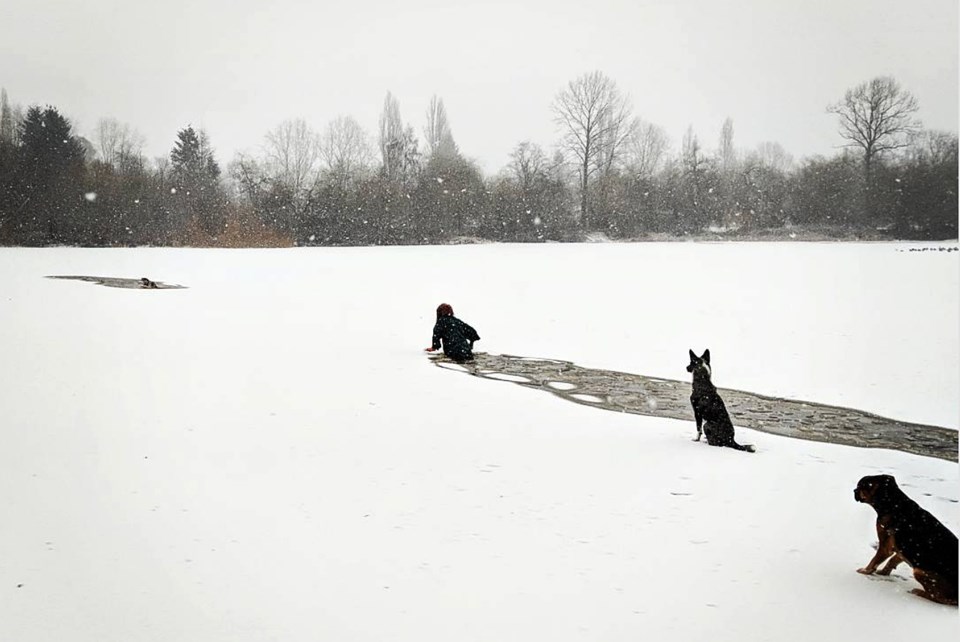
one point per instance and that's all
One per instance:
(708, 409)
(908, 533)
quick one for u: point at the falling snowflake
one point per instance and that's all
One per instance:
(173, 190)
(90, 196)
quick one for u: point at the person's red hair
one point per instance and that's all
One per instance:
(444, 310)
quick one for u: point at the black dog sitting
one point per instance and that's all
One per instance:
(908, 533)
(708, 409)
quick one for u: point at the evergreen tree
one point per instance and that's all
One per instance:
(49, 178)
(48, 148)
(192, 160)
(196, 194)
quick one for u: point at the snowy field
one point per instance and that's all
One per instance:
(268, 455)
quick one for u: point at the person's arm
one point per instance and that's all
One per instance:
(471, 334)
(436, 338)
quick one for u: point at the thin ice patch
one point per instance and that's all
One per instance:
(114, 282)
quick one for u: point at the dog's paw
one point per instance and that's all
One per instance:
(864, 571)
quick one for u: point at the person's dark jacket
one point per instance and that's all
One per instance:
(457, 338)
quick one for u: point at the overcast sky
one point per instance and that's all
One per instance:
(237, 68)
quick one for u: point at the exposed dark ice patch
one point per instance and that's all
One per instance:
(117, 282)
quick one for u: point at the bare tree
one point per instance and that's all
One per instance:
(119, 145)
(161, 166)
(876, 116)
(107, 135)
(391, 135)
(7, 124)
(527, 163)
(691, 155)
(694, 165)
(646, 148)
(398, 144)
(437, 135)
(345, 150)
(773, 156)
(726, 151)
(292, 151)
(593, 116)
(18, 118)
(612, 139)
(248, 177)
(932, 146)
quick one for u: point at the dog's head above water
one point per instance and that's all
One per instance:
(699, 364)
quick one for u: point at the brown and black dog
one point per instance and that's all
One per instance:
(908, 533)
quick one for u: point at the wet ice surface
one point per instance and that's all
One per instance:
(117, 282)
(653, 396)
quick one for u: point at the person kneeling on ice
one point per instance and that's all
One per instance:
(457, 336)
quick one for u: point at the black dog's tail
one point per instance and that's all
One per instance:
(746, 447)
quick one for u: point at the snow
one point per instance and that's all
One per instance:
(269, 454)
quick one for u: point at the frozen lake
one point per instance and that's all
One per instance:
(267, 454)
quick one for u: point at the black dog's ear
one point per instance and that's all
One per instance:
(706, 356)
(693, 357)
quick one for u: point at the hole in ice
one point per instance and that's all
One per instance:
(588, 398)
(506, 377)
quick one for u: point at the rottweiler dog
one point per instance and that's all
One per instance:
(708, 408)
(908, 533)
(147, 283)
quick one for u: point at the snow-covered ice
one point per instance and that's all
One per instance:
(269, 454)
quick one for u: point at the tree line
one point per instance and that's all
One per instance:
(610, 175)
